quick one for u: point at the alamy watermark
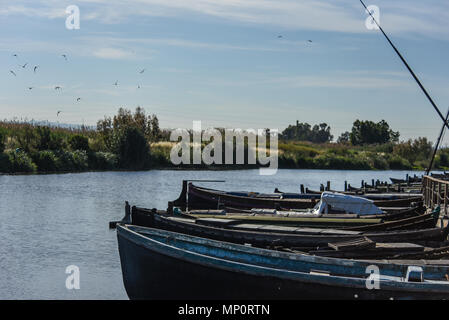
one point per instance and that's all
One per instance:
(261, 146)
(373, 14)
(72, 22)
(73, 280)
(373, 280)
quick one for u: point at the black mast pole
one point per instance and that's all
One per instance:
(408, 67)
(436, 146)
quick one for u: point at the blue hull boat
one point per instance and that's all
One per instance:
(158, 264)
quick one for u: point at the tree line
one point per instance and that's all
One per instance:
(134, 141)
(362, 132)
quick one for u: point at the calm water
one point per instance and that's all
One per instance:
(49, 222)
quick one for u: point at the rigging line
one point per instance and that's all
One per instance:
(436, 146)
(408, 67)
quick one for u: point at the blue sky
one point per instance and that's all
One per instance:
(222, 62)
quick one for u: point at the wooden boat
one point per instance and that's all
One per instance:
(390, 214)
(371, 196)
(158, 264)
(205, 198)
(414, 179)
(262, 235)
(428, 220)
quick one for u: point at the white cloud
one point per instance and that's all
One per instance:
(362, 79)
(323, 15)
(112, 53)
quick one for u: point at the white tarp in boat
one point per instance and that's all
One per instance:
(345, 203)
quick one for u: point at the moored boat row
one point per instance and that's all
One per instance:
(284, 246)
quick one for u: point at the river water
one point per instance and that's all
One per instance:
(48, 222)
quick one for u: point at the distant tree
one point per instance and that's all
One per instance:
(105, 130)
(369, 132)
(305, 132)
(133, 149)
(344, 137)
(413, 150)
(2, 141)
(155, 130)
(111, 129)
(26, 139)
(321, 133)
(79, 142)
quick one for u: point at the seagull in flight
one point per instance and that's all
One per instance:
(142, 71)
(138, 86)
(35, 68)
(116, 83)
(279, 36)
(13, 73)
(29, 88)
(65, 56)
(78, 99)
(24, 65)
(57, 114)
(15, 55)
(57, 88)
(309, 41)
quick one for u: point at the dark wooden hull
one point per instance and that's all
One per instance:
(410, 180)
(327, 221)
(390, 214)
(203, 198)
(163, 270)
(310, 238)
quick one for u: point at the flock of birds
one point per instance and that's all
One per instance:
(57, 88)
(281, 36)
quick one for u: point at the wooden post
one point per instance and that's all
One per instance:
(432, 185)
(346, 185)
(328, 186)
(302, 188)
(445, 199)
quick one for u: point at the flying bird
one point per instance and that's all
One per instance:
(65, 56)
(309, 41)
(57, 114)
(78, 99)
(57, 88)
(138, 86)
(116, 83)
(24, 65)
(29, 88)
(35, 68)
(142, 71)
(15, 55)
(13, 73)
(279, 36)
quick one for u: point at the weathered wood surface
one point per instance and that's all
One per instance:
(158, 264)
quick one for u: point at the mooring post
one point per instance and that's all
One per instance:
(321, 187)
(445, 199)
(328, 186)
(363, 183)
(346, 185)
(302, 188)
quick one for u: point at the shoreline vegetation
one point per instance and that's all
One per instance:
(132, 141)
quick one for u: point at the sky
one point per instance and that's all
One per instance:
(224, 63)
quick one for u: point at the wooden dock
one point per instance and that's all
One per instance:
(436, 193)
